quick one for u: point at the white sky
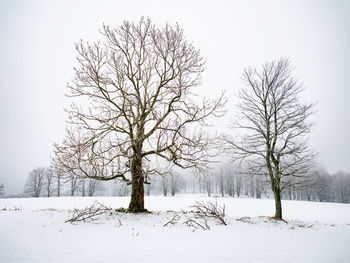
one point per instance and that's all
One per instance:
(37, 55)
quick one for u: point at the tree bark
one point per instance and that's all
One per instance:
(137, 191)
(278, 205)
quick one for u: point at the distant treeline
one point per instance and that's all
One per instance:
(321, 186)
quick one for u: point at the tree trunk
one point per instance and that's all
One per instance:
(137, 191)
(83, 187)
(58, 185)
(278, 205)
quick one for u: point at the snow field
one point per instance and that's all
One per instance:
(315, 232)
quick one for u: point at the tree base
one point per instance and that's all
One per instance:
(127, 210)
(278, 219)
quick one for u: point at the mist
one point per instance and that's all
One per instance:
(38, 56)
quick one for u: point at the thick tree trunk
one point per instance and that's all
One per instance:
(278, 205)
(137, 191)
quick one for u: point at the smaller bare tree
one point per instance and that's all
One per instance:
(274, 120)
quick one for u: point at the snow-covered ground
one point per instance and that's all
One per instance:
(34, 230)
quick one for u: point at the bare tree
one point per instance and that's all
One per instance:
(148, 189)
(82, 186)
(175, 183)
(139, 86)
(229, 180)
(94, 185)
(239, 182)
(341, 187)
(208, 183)
(48, 182)
(164, 183)
(74, 183)
(221, 182)
(258, 186)
(275, 124)
(35, 181)
(123, 189)
(2, 190)
(58, 176)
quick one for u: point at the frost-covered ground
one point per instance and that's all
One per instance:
(34, 230)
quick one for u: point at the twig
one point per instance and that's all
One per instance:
(173, 221)
(196, 224)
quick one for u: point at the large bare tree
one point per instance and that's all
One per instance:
(141, 109)
(275, 128)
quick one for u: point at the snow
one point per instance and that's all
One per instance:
(34, 230)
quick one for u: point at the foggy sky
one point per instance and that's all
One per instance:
(37, 56)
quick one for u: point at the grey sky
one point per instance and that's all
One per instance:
(37, 55)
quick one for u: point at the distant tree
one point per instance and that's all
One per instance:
(165, 184)
(148, 189)
(2, 190)
(35, 182)
(239, 183)
(229, 179)
(258, 186)
(274, 120)
(49, 180)
(82, 186)
(221, 181)
(74, 183)
(94, 185)
(175, 183)
(208, 183)
(341, 187)
(58, 176)
(140, 84)
(123, 189)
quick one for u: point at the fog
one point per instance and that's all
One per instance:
(37, 58)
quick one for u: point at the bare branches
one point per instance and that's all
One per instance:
(211, 210)
(197, 224)
(274, 120)
(138, 83)
(173, 221)
(89, 213)
(198, 219)
(35, 181)
(275, 125)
